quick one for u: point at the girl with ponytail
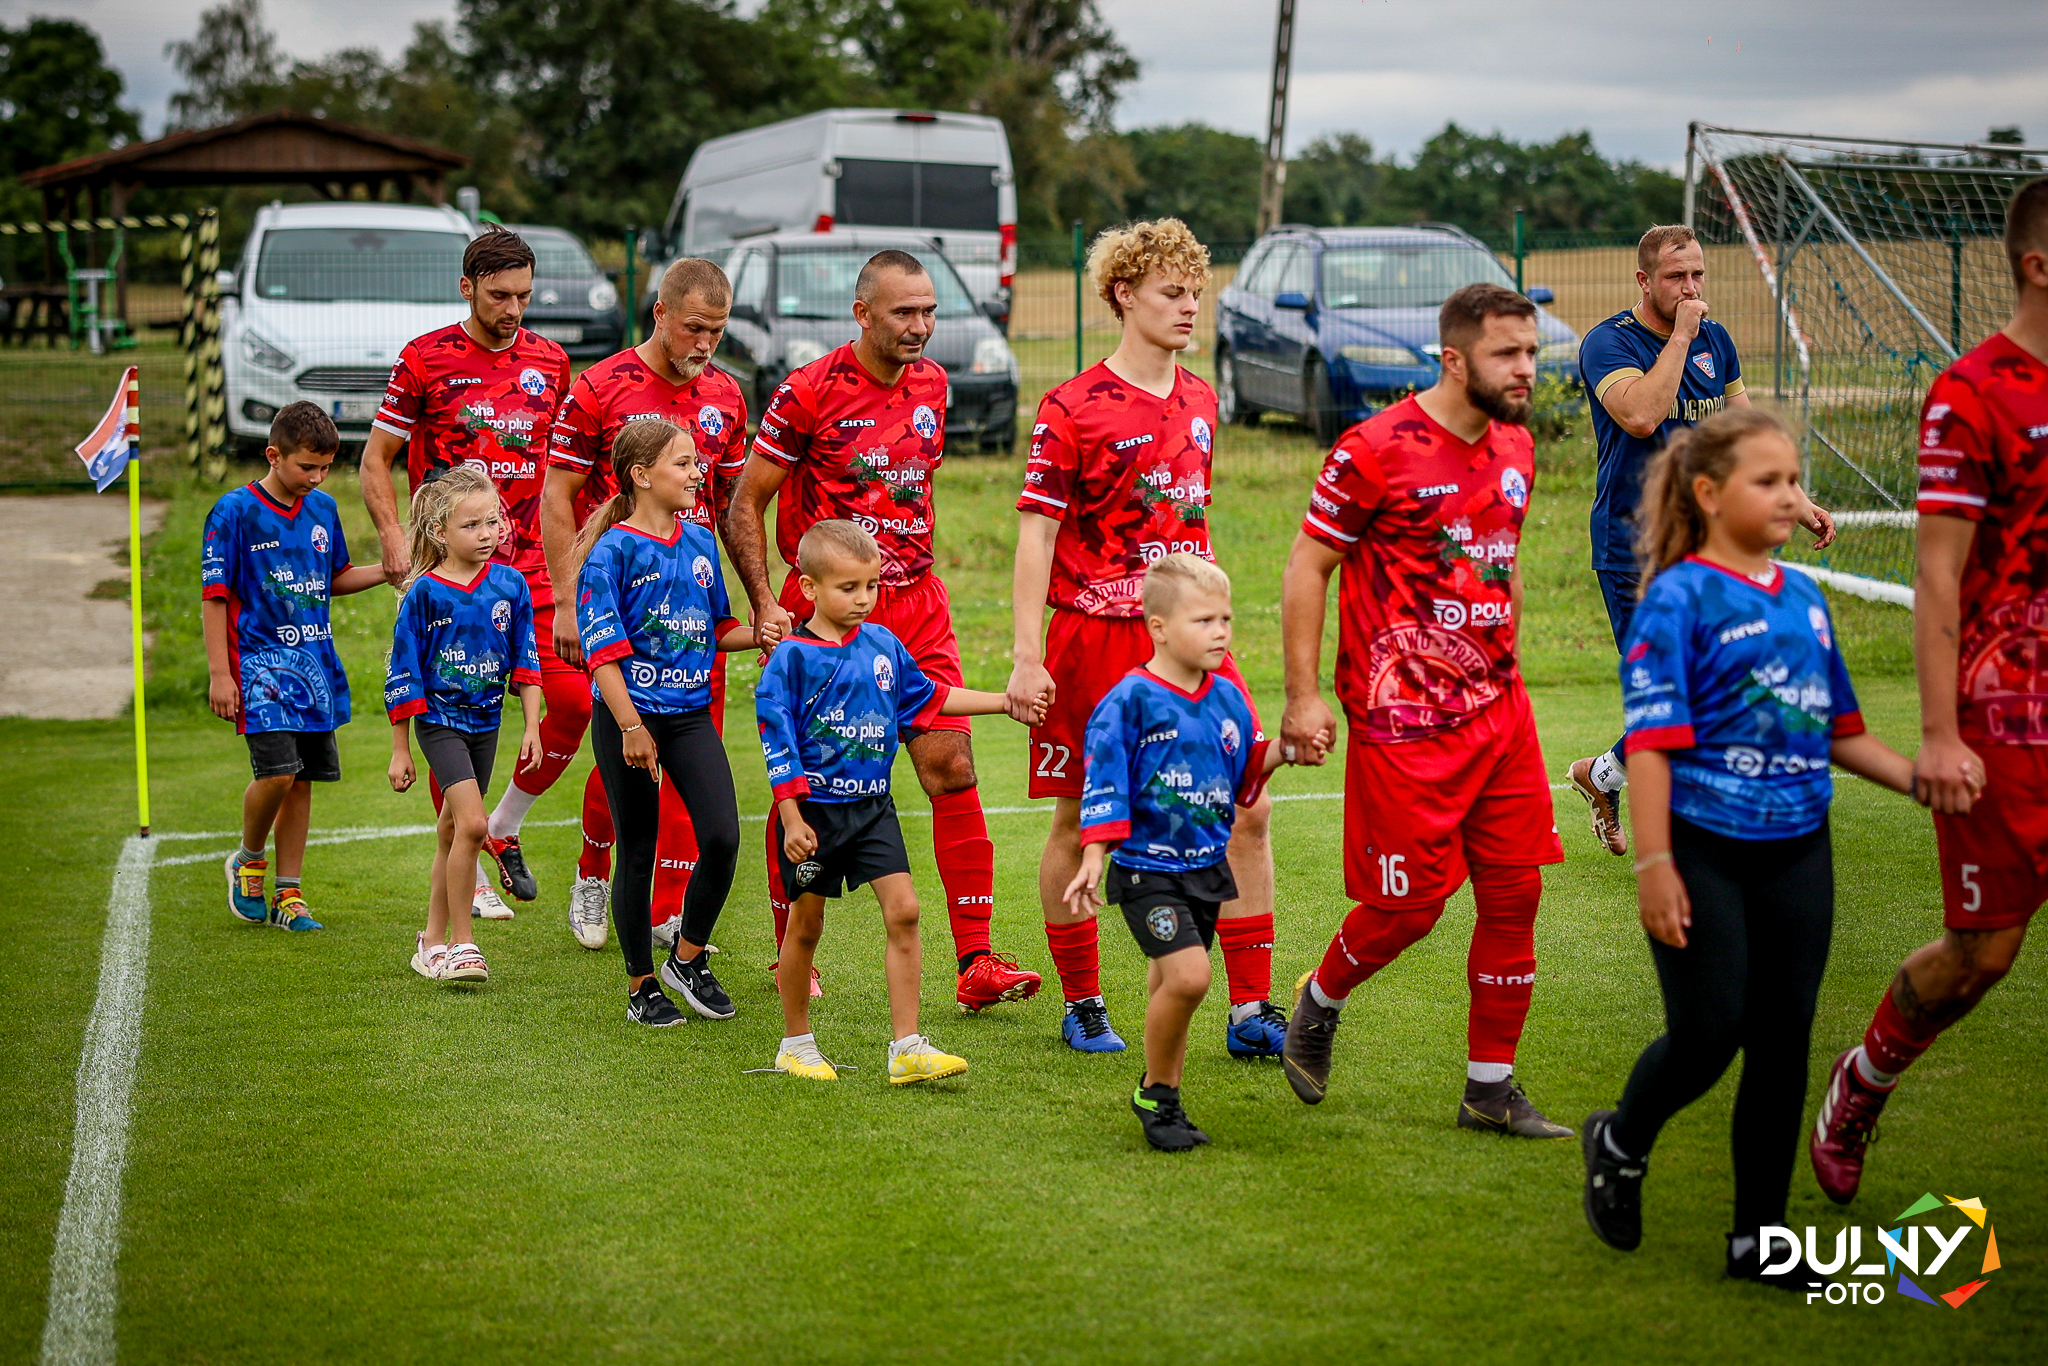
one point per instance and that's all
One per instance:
(652, 612)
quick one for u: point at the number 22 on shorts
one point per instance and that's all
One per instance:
(1393, 877)
(1052, 759)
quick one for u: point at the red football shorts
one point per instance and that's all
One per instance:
(1994, 861)
(1417, 813)
(921, 616)
(1086, 657)
(544, 640)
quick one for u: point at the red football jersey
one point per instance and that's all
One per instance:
(455, 402)
(1429, 527)
(1126, 475)
(862, 450)
(1984, 456)
(620, 389)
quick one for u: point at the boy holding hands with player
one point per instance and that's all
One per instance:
(272, 559)
(1173, 750)
(832, 702)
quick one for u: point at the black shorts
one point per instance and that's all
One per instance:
(1168, 912)
(309, 755)
(858, 842)
(457, 756)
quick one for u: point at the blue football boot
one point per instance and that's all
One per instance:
(1259, 1035)
(1086, 1028)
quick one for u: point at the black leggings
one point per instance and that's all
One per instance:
(693, 761)
(1762, 911)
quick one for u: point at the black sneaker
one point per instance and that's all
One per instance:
(1747, 1265)
(649, 1007)
(1305, 1056)
(512, 869)
(1614, 1187)
(1499, 1107)
(700, 990)
(1167, 1126)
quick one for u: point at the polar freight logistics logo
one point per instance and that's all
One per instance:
(1905, 1251)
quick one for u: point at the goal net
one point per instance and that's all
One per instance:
(1851, 271)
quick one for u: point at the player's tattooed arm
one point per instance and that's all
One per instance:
(1948, 774)
(1308, 727)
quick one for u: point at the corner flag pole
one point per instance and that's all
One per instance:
(134, 417)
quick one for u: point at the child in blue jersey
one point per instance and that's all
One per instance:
(1172, 752)
(652, 612)
(1736, 702)
(832, 704)
(273, 558)
(464, 633)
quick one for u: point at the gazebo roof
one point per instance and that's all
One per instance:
(277, 146)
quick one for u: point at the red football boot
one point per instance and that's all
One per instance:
(995, 977)
(1844, 1128)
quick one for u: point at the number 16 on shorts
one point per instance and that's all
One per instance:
(1393, 877)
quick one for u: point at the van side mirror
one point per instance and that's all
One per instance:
(1293, 299)
(227, 284)
(996, 311)
(749, 312)
(1542, 294)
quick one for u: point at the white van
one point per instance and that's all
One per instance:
(945, 176)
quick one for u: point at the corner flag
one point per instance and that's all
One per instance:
(115, 445)
(107, 451)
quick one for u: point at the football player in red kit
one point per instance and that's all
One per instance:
(1422, 504)
(1119, 477)
(668, 376)
(480, 392)
(1980, 632)
(857, 434)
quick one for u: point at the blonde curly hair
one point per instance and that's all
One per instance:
(1127, 254)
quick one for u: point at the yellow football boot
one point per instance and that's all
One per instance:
(922, 1062)
(807, 1062)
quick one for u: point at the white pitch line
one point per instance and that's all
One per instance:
(80, 1326)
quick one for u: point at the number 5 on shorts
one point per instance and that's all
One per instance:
(1052, 760)
(1393, 877)
(1974, 894)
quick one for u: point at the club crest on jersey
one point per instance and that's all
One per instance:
(1199, 430)
(700, 570)
(319, 540)
(533, 381)
(1514, 487)
(1819, 617)
(710, 421)
(885, 676)
(1162, 921)
(925, 422)
(1232, 736)
(1704, 360)
(501, 615)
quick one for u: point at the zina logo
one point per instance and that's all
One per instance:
(1904, 1250)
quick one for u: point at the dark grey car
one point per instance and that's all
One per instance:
(793, 302)
(574, 303)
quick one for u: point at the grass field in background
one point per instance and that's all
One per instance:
(330, 1159)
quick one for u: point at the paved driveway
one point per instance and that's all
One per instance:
(64, 655)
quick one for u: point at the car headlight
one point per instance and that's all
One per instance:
(603, 296)
(1557, 351)
(261, 352)
(1379, 355)
(992, 356)
(802, 351)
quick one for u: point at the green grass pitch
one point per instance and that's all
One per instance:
(331, 1160)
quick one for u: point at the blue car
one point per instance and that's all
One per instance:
(1331, 324)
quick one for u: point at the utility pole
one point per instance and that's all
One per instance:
(1273, 175)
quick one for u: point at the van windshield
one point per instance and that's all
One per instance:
(1404, 277)
(935, 195)
(558, 256)
(372, 265)
(819, 284)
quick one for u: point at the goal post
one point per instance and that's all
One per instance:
(1851, 271)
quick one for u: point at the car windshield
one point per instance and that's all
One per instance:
(819, 284)
(1404, 277)
(558, 256)
(377, 265)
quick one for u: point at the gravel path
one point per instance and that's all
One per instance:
(65, 655)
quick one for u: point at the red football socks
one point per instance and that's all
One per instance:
(1891, 1043)
(778, 899)
(596, 859)
(1501, 965)
(967, 866)
(1248, 956)
(1367, 941)
(1076, 953)
(675, 855)
(562, 727)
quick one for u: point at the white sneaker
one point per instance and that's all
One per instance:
(488, 905)
(668, 931)
(427, 958)
(590, 911)
(464, 963)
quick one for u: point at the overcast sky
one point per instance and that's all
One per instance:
(1633, 71)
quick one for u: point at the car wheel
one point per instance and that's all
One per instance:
(1230, 407)
(1319, 405)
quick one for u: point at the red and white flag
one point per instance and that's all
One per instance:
(106, 451)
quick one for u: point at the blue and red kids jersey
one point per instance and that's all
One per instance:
(272, 565)
(831, 715)
(1743, 684)
(657, 607)
(1167, 769)
(455, 649)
